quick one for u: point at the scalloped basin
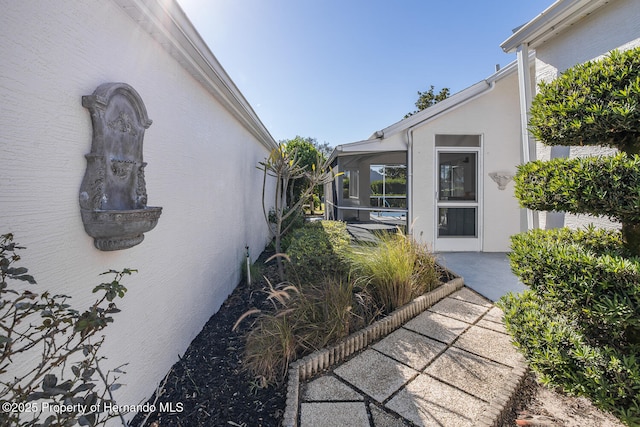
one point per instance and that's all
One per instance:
(119, 229)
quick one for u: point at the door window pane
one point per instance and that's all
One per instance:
(457, 222)
(457, 177)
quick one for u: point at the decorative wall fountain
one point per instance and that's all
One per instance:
(113, 194)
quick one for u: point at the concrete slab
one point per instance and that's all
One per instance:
(328, 388)
(487, 273)
(458, 309)
(474, 374)
(426, 401)
(352, 414)
(466, 294)
(410, 348)
(437, 326)
(375, 374)
(495, 315)
(487, 324)
(384, 419)
(490, 344)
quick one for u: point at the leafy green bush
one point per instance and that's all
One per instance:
(579, 325)
(291, 223)
(559, 351)
(392, 186)
(596, 185)
(66, 342)
(591, 280)
(317, 250)
(397, 268)
(595, 103)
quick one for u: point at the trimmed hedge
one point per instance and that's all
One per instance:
(579, 325)
(596, 185)
(595, 103)
(559, 351)
(584, 272)
(317, 250)
(393, 186)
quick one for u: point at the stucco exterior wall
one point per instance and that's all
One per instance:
(201, 170)
(494, 116)
(614, 26)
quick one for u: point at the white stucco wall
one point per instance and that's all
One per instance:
(494, 116)
(614, 26)
(201, 170)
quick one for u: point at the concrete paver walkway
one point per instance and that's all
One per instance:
(452, 365)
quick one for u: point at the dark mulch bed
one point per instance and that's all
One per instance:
(209, 379)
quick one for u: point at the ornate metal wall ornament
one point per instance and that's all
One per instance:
(113, 194)
(501, 178)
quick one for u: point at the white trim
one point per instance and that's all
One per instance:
(378, 143)
(553, 20)
(460, 244)
(165, 21)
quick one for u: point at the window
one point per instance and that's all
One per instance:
(457, 140)
(350, 184)
(388, 185)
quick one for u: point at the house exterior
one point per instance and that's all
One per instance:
(203, 144)
(483, 131)
(460, 155)
(567, 33)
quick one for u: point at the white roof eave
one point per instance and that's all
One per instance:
(379, 142)
(553, 20)
(453, 101)
(167, 23)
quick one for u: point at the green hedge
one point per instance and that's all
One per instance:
(595, 103)
(563, 356)
(579, 324)
(393, 186)
(596, 185)
(293, 222)
(317, 250)
(584, 272)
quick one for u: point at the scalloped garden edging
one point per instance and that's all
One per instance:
(308, 366)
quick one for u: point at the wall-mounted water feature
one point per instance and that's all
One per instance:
(113, 194)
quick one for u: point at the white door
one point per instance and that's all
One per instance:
(458, 213)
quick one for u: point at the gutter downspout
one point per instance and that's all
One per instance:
(410, 181)
(524, 83)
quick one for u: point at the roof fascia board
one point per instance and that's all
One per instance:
(452, 102)
(436, 109)
(550, 22)
(167, 23)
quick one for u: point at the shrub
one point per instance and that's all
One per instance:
(595, 103)
(397, 186)
(563, 356)
(318, 250)
(583, 272)
(579, 325)
(68, 346)
(396, 268)
(291, 223)
(596, 185)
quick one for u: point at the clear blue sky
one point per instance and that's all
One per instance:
(338, 70)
